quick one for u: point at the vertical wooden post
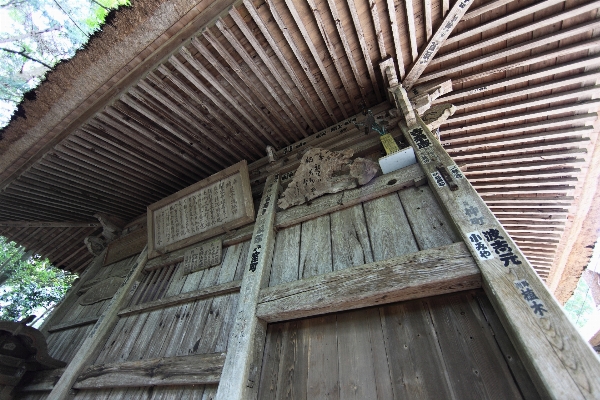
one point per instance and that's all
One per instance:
(560, 362)
(96, 338)
(241, 372)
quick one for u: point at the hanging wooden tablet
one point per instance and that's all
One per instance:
(215, 205)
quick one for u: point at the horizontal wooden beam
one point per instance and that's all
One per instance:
(213, 291)
(426, 273)
(502, 21)
(513, 50)
(513, 80)
(530, 27)
(73, 324)
(199, 369)
(49, 224)
(589, 105)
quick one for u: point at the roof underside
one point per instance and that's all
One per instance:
(272, 72)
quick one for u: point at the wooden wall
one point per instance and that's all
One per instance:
(444, 347)
(440, 347)
(64, 343)
(450, 346)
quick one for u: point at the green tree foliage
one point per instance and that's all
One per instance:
(37, 34)
(28, 284)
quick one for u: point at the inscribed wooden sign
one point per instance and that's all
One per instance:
(212, 206)
(207, 254)
(102, 290)
(126, 246)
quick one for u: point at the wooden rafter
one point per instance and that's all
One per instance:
(274, 71)
(364, 47)
(396, 37)
(436, 42)
(303, 62)
(519, 48)
(332, 52)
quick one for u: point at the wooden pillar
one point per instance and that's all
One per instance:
(97, 336)
(560, 362)
(241, 372)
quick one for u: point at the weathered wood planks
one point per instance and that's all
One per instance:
(246, 344)
(391, 351)
(185, 370)
(559, 361)
(426, 273)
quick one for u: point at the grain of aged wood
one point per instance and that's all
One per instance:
(95, 339)
(246, 343)
(286, 256)
(389, 230)
(561, 364)
(185, 370)
(426, 273)
(212, 291)
(73, 324)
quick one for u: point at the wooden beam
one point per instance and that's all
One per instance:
(50, 224)
(558, 360)
(502, 21)
(205, 18)
(485, 8)
(73, 324)
(543, 73)
(302, 61)
(193, 94)
(588, 91)
(256, 106)
(96, 337)
(412, 31)
(396, 37)
(249, 35)
(588, 105)
(516, 32)
(571, 122)
(198, 369)
(241, 370)
(364, 48)
(516, 49)
(499, 143)
(427, 12)
(426, 273)
(340, 29)
(333, 53)
(546, 86)
(436, 42)
(205, 293)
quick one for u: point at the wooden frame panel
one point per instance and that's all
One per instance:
(247, 210)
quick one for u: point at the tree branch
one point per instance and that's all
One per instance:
(24, 36)
(22, 53)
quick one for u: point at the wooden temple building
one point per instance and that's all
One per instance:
(211, 169)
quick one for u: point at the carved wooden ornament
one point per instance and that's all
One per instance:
(322, 171)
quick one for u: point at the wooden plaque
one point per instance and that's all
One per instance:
(206, 255)
(212, 206)
(126, 246)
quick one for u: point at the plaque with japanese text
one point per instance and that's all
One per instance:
(206, 255)
(215, 205)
